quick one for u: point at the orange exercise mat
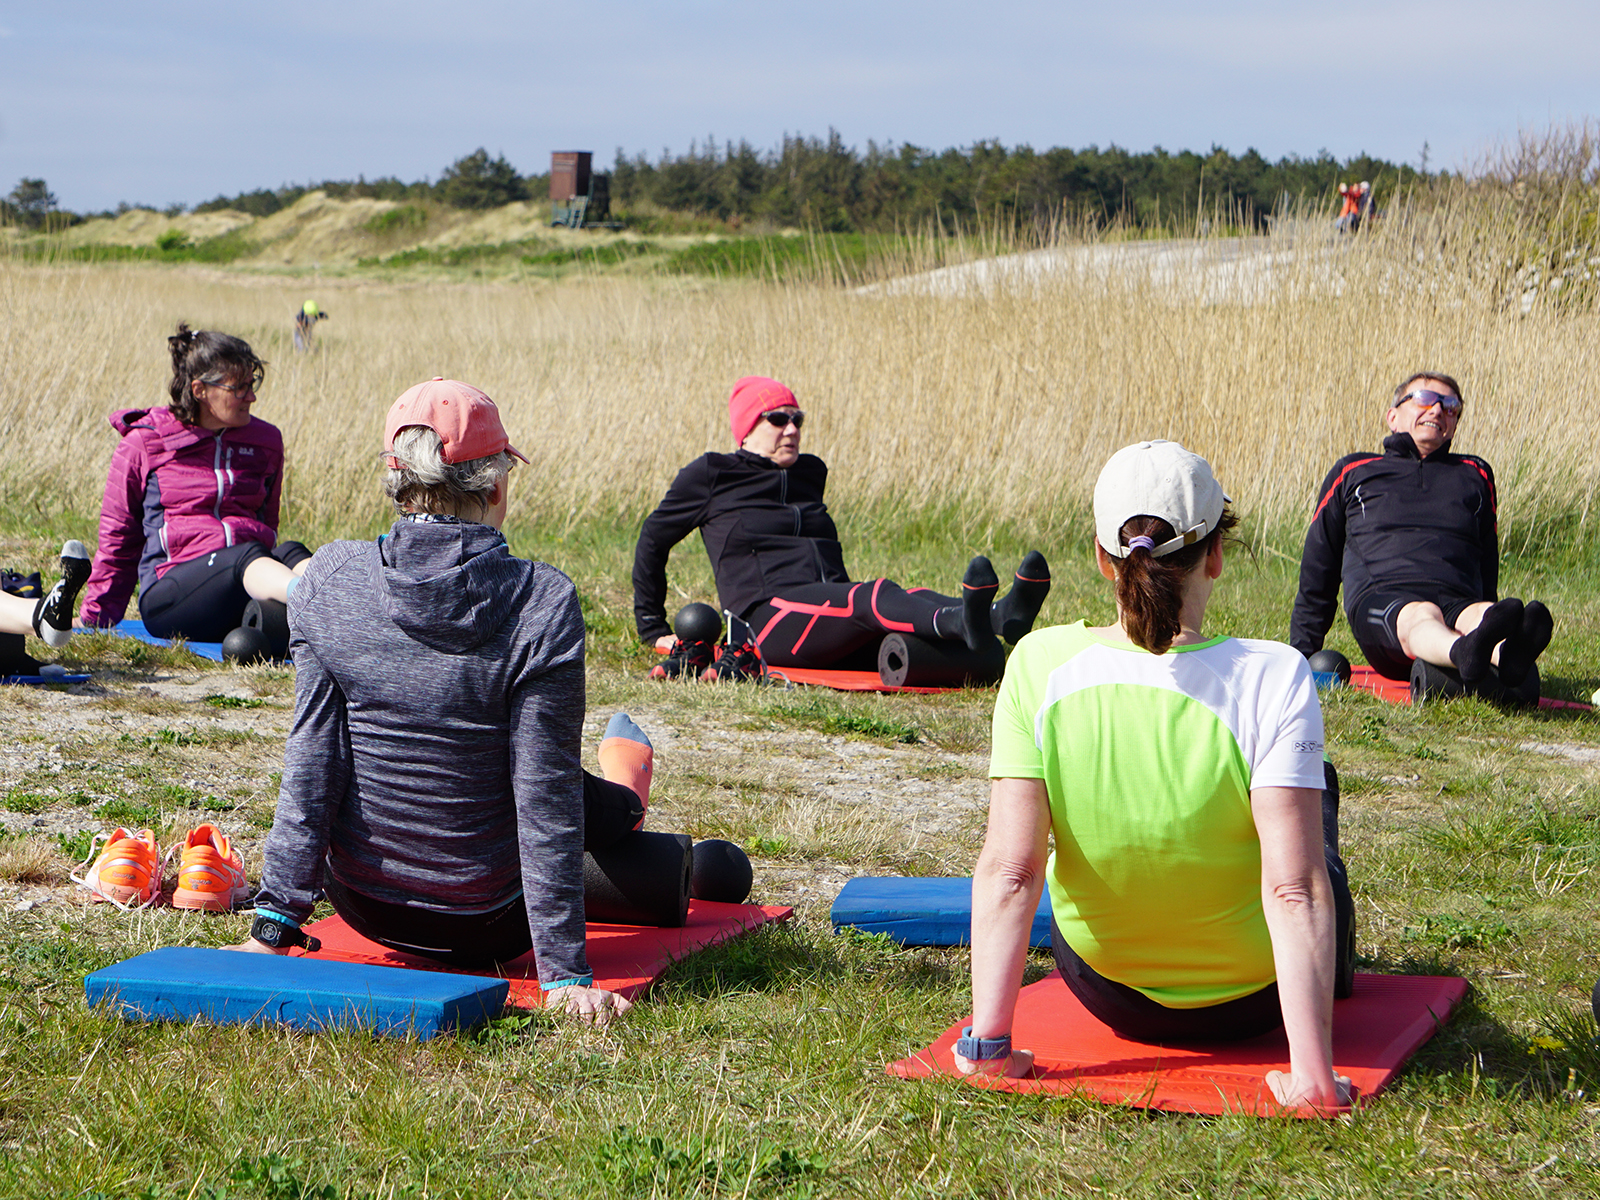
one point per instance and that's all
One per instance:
(1374, 1032)
(843, 681)
(625, 959)
(1397, 691)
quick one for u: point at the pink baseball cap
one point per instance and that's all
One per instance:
(752, 396)
(467, 421)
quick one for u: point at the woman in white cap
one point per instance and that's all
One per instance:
(1181, 776)
(432, 786)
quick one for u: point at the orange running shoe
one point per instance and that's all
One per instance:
(128, 871)
(211, 875)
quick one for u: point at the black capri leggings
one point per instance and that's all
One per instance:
(204, 599)
(1374, 618)
(823, 624)
(1130, 1013)
(477, 940)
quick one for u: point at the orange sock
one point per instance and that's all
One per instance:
(626, 757)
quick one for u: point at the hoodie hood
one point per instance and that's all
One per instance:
(450, 585)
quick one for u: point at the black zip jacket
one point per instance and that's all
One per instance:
(1394, 521)
(765, 528)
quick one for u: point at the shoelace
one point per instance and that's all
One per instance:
(159, 874)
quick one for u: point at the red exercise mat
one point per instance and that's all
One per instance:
(845, 681)
(1396, 691)
(625, 959)
(1384, 1023)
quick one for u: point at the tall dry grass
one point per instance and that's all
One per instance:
(978, 401)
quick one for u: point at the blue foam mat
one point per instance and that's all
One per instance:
(38, 679)
(136, 629)
(228, 987)
(930, 911)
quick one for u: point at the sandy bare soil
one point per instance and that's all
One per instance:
(814, 808)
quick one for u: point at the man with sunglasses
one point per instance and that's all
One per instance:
(1411, 534)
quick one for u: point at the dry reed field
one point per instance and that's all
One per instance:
(950, 416)
(996, 406)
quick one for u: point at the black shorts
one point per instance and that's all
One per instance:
(203, 599)
(1374, 619)
(473, 941)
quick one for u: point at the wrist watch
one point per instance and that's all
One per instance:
(983, 1049)
(280, 935)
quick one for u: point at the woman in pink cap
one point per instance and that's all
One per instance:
(780, 568)
(432, 783)
(190, 511)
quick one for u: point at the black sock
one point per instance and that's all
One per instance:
(1470, 652)
(52, 616)
(978, 587)
(1012, 617)
(1524, 644)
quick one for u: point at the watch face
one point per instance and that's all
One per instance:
(269, 933)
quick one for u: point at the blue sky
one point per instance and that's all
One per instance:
(177, 101)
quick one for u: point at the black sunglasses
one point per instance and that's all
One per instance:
(782, 420)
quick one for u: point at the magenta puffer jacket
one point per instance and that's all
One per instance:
(176, 492)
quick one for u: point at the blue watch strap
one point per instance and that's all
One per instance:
(983, 1049)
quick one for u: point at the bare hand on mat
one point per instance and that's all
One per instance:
(1015, 1066)
(592, 1004)
(1291, 1090)
(251, 946)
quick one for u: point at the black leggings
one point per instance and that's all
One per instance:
(1374, 618)
(204, 599)
(476, 940)
(823, 624)
(1130, 1013)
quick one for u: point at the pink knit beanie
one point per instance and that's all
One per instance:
(752, 396)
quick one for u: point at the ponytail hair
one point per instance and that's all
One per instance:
(1150, 589)
(210, 357)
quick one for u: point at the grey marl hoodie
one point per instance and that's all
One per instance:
(434, 756)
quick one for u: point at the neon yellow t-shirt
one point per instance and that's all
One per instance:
(1155, 879)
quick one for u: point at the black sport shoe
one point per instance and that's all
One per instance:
(52, 620)
(16, 583)
(685, 658)
(735, 662)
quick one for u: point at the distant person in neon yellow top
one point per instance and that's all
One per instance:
(305, 322)
(1182, 778)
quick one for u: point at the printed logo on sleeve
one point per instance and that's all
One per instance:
(1308, 747)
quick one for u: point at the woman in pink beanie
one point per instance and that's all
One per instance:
(779, 565)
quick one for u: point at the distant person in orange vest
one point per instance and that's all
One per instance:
(304, 321)
(1349, 219)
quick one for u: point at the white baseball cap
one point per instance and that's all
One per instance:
(1156, 479)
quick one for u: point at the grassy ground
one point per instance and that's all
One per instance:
(756, 1069)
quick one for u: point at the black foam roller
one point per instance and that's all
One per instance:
(643, 879)
(271, 617)
(1429, 682)
(905, 660)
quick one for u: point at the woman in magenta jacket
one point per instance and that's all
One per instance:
(190, 511)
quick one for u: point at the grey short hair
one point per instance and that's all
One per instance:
(425, 482)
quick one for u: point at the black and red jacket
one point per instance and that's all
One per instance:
(1394, 521)
(765, 528)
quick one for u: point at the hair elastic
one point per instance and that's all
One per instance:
(1141, 543)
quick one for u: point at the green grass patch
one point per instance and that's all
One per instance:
(234, 702)
(456, 256)
(19, 801)
(403, 218)
(130, 814)
(606, 254)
